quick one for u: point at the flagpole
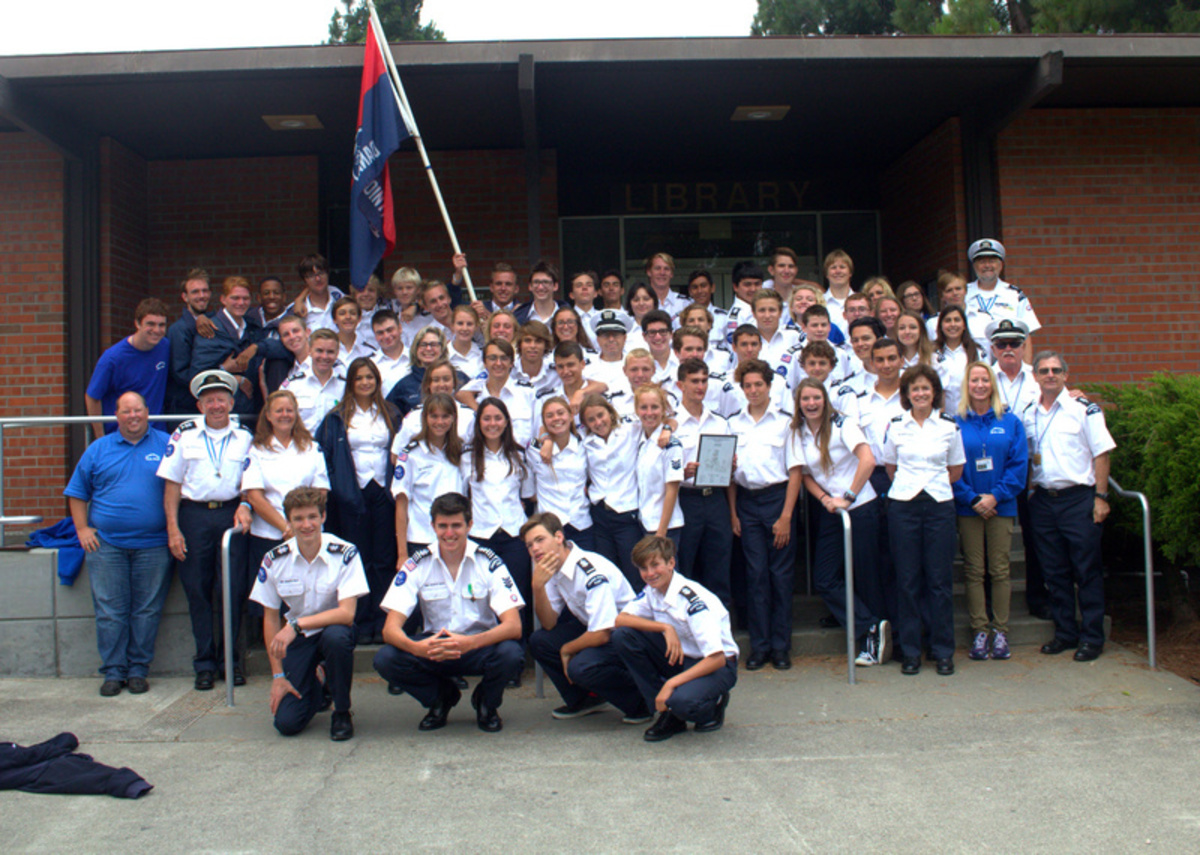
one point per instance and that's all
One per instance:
(410, 120)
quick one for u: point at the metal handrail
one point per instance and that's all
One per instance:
(848, 547)
(1151, 627)
(32, 519)
(227, 609)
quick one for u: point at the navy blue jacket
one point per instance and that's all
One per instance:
(209, 353)
(1003, 440)
(346, 502)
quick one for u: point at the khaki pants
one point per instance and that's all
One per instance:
(997, 531)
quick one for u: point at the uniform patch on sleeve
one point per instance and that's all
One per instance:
(695, 604)
(262, 572)
(398, 472)
(245, 464)
(349, 554)
(676, 464)
(401, 578)
(596, 581)
(171, 445)
(508, 582)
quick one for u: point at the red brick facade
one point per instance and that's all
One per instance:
(33, 334)
(922, 218)
(485, 194)
(124, 248)
(1101, 212)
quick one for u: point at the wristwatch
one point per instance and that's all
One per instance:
(850, 496)
(295, 625)
(1100, 495)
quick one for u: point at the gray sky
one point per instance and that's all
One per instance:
(98, 26)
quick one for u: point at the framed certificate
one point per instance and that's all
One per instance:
(715, 460)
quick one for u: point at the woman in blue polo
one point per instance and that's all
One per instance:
(985, 499)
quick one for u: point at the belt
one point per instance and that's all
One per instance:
(1065, 491)
(212, 506)
(760, 491)
(699, 491)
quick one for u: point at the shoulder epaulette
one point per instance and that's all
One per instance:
(525, 383)
(542, 393)
(422, 553)
(494, 561)
(838, 419)
(897, 418)
(190, 424)
(278, 552)
(949, 418)
(695, 604)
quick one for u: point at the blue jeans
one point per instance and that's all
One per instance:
(129, 587)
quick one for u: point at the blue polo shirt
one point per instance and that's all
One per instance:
(120, 481)
(123, 368)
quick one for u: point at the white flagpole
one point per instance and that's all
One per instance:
(410, 120)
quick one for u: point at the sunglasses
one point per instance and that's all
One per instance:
(1051, 370)
(1007, 344)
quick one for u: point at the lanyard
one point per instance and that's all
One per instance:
(1009, 401)
(985, 306)
(1036, 418)
(216, 453)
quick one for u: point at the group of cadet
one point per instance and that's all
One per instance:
(420, 469)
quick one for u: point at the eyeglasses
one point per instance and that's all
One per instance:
(430, 344)
(566, 322)
(657, 332)
(1051, 369)
(1007, 344)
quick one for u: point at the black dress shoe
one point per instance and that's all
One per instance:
(448, 696)
(486, 717)
(910, 667)
(945, 667)
(514, 683)
(1087, 652)
(239, 678)
(781, 661)
(205, 680)
(1055, 646)
(341, 726)
(668, 725)
(459, 682)
(395, 689)
(718, 720)
(138, 686)
(111, 688)
(756, 661)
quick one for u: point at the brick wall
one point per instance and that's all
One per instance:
(250, 217)
(485, 194)
(124, 247)
(922, 214)
(1101, 212)
(33, 342)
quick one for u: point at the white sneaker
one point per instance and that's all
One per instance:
(866, 659)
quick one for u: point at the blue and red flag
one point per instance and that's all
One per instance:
(381, 129)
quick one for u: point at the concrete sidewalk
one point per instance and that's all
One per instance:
(1037, 754)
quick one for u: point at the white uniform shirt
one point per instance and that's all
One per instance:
(467, 605)
(391, 371)
(368, 437)
(496, 500)
(1003, 301)
(836, 309)
(733, 399)
(673, 303)
(778, 351)
(361, 349)
(612, 466)
(1020, 392)
(921, 454)
(761, 448)
(322, 319)
(608, 373)
(657, 467)
(336, 573)
(740, 313)
(1068, 437)
(691, 428)
(410, 426)
(693, 611)
(277, 471)
(844, 438)
(314, 398)
(875, 413)
(365, 331)
(422, 474)
(520, 398)
(208, 463)
(846, 401)
(951, 366)
(561, 485)
(469, 363)
(665, 375)
(592, 587)
(409, 329)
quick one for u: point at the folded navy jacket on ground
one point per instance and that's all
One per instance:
(53, 767)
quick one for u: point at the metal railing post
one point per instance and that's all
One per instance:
(851, 637)
(227, 610)
(538, 674)
(1151, 623)
(1, 482)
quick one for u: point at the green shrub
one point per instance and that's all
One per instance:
(1157, 429)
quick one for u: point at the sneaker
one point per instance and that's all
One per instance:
(883, 640)
(1000, 646)
(869, 655)
(638, 718)
(865, 657)
(588, 705)
(979, 649)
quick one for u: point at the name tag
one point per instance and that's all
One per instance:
(290, 588)
(437, 591)
(983, 464)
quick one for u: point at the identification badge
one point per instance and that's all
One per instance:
(436, 591)
(290, 588)
(1035, 459)
(983, 464)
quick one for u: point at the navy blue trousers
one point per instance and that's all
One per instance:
(924, 536)
(333, 646)
(769, 571)
(1068, 544)
(515, 556)
(423, 678)
(645, 655)
(200, 574)
(706, 546)
(829, 565)
(594, 669)
(615, 535)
